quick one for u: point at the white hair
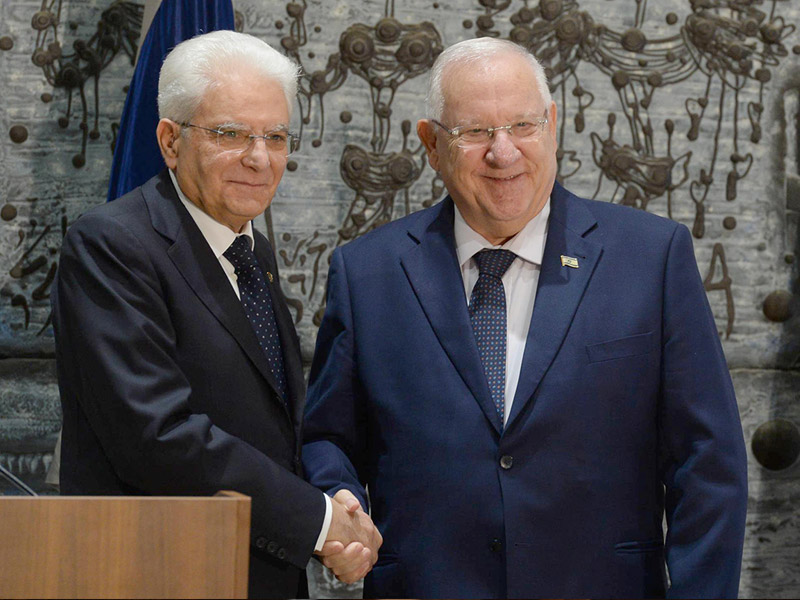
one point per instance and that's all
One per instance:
(477, 51)
(196, 65)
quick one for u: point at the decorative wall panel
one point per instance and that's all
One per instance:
(685, 108)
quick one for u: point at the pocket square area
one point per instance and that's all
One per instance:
(632, 345)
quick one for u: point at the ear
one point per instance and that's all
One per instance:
(168, 134)
(426, 131)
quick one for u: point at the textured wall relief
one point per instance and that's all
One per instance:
(73, 72)
(689, 109)
(662, 145)
(616, 83)
(384, 55)
(32, 225)
(730, 45)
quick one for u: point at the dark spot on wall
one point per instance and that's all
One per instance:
(776, 444)
(18, 134)
(8, 212)
(778, 306)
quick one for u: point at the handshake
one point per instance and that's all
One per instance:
(351, 548)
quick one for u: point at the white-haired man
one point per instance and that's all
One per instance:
(526, 380)
(178, 363)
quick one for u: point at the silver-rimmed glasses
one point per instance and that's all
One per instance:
(468, 136)
(239, 139)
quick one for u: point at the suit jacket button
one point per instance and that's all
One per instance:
(261, 543)
(496, 545)
(507, 462)
(272, 547)
(281, 553)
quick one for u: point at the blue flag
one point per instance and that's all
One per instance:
(136, 154)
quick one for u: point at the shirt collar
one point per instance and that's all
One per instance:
(528, 244)
(218, 236)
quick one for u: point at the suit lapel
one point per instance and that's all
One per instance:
(559, 292)
(433, 271)
(192, 256)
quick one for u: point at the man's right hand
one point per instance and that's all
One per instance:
(351, 547)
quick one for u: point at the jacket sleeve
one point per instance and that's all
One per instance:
(116, 346)
(703, 461)
(335, 433)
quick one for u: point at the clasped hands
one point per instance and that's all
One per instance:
(351, 548)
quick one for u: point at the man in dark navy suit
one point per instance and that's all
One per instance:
(178, 363)
(526, 382)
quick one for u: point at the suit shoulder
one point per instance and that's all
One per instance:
(627, 222)
(394, 234)
(130, 207)
(124, 222)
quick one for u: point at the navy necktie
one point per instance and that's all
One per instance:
(487, 311)
(257, 304)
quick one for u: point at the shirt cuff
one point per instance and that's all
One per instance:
(326, 524)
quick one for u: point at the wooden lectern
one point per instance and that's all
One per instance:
(124, 547)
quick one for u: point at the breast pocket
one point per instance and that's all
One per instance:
(632, 345)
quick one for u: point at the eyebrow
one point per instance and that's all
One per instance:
(525, 116)
(243, 126)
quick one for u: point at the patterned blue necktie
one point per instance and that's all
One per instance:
(487, 311)
(257, 305)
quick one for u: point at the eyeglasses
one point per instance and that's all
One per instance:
(238, 139)
(470, 136)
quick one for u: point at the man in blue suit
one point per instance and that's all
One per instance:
(526, 382)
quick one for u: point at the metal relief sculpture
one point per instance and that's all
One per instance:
(731, 46)
(385, 55)
(117, 31)
(626, 125)
(73, 71)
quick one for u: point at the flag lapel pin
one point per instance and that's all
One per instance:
(569, 261)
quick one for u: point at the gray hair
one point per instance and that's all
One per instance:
(477, 50)
(194, 66)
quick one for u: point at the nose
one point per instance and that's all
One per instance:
(503, 152)
(256, 156)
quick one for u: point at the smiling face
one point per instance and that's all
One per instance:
(232, 187)
(500, 186)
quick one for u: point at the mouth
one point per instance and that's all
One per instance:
(250, 185)
(507, 179)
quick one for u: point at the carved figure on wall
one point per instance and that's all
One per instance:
(731, 45)
(117, 31)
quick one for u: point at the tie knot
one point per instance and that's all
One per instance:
(239, 252)
(494, 262)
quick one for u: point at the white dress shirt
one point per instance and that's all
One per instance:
(219, 238)
(520, 282)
